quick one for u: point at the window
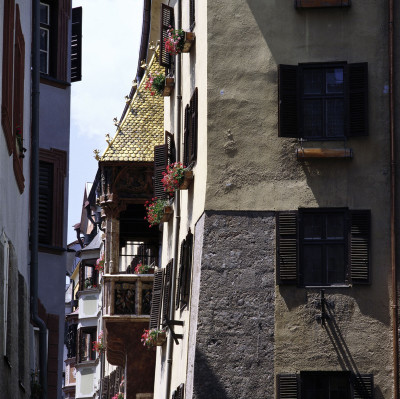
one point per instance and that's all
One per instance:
(164, 155)
(323, 101)
(325, 385)
(52, 171)
(71, 340)
(44, 38)
(185, 272)
(86, 337)
(190, 130)
(323, 247)
(88, 276)
(322, 3)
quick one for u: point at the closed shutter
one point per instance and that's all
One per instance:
(46, 174)
(76, 45)
(156, 299)
(187, 137)
(288, 386)
(192, 14)
(81, 276)
(357, 99)
(167, 20)
(288, 101)
(287, 248)
(160, 162)
(112, 383)
(185, 294)
(181, 272)
(105, 388)
(180, 392)
(79, 348)
(7, 76)
(194, 125)
(362, 386)
(167, 292)
(171, 150)
(360, 246)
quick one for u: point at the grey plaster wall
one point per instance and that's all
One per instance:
(234, 355)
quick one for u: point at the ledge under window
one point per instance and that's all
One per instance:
(321, 3)
(309, 153)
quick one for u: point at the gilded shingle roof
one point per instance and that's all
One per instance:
(143, 125)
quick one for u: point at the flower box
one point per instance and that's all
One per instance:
(169, 86)
(189, 40)
(161, 338)
(187, 180)
(168, 211)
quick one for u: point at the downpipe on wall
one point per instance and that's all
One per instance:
(34, 223)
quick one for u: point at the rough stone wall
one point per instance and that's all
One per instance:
(235, 332)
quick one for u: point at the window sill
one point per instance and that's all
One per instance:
(319, 287)
(322, 3)
(48, 80)
(51, 249)
(309, 153)
(87, 363)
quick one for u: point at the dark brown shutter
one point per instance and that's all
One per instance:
(167, 292)
(156, 298)
(160, 162)
(181, 272)
(81, 276)
(193, 127)
(362, 386)
(288, 386)
(46, 174)
(64, 10)
(359, 246)
(167, 20)
(171, 151)
(112, 383)
(187, 270)
(186, 137)
(105, 388)
(357, 99)
(79, 348)
(288, 100)
(192, 14)
(287, 248)
(76, 45)
(7, 78)
(180, 391)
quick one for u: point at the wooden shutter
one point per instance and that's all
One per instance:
(193, 127)
(171, 150)
(79, 348)
(181, 272)
(287, 248)
(64, 10)
(362, 386)
(76, 45)
(288, 386)
(112, 383)
(160, 162)
(357, 94)
(360, 246)
(192, 14)
(46, 174)
(288, 101)
(156, 298)
(187, 270)
(186, 137)
(105, 388)
(167, 20)
(167, 292)
(7, 78)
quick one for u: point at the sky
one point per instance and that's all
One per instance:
(111, 33)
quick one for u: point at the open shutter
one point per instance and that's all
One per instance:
(76, 45)
(187, 270)
(46, 174)
(186, 137)
(288, 100)
(79, 346)
(362, 386)
(357, 99)
(105, 388)
(64, 10)
(181, 273)
(360, 246)
(192, 14)
(160, 162)
(156, 299)
(171, 151)
(193, 127)
(287, 248)
(288, 386)
(167, 20)
(167, 292)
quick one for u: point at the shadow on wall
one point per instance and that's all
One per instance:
(206, 383)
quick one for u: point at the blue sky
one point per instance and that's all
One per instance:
(111, 32)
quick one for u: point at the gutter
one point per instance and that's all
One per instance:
(34, 192)
(177, 207)
(394, 305)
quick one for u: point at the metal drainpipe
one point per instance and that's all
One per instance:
(177, 209)
(393, 205)
(34, 272)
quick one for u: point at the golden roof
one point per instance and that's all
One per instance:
(143, 125)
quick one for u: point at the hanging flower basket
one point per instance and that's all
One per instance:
(187, 180)
(99, 345)
(155, 211)
(167, 213)
(176, 177)
(144, 269)
(188, 42)
(168, 86)
(154, 337)
(160, 85)
(178, 41)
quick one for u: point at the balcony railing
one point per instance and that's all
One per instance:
(134, 253)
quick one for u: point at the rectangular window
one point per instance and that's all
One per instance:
(323, 247)
(323, 101)
(191, 130)
(87, 336)
(44, 38)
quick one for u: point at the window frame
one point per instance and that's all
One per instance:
(87, 331)
(327, 376)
